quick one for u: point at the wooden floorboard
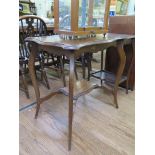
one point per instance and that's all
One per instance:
(98, 127)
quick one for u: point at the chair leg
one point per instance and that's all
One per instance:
(89, 65)
(43, 74)
(25, 86)
(21, 72)
(36, 74)
(37, 110)
(83, 66)
(101, 82)
(115, 99)
(62, 72)
(127, 86)
(75, 71)
(90, 57)
(46, 80)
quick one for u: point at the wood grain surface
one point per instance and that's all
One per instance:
(98, 128)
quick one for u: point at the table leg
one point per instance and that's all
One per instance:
(31, 64)
(122, 58)
(71, 86)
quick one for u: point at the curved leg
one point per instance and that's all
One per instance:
(43, 74)
(76, 75)
(122, 58)
(127, 85)
(71, 86)
(33, 53)
(83, 66)
(24, 82)
(89, 65)
(115, 99)
(131, 64)
(62, 71)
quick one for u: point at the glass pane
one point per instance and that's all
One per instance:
(121, 7)
(83, 13)
(65, 14)
(98, 13)
(91, 13)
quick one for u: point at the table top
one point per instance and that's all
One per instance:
(57, 41)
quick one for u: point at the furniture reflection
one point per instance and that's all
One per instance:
(122, 25)
(73, 49)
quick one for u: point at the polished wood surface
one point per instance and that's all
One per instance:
(72, 49)
(73, 45)
(98, 128)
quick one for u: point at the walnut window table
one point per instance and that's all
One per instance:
(72, 49)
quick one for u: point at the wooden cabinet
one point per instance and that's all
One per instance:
(122, 25)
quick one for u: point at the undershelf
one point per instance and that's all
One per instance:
(81, 88)
(107, 76)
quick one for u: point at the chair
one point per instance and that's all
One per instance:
(31, 26)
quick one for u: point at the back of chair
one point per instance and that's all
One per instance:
(29, 26)
(122, 24)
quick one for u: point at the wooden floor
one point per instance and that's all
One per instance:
(98, 128)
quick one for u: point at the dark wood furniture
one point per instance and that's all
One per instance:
(34, 26)
(27, 29)
(50, 29)
(22, 71)
(73, 49)
(122, 25)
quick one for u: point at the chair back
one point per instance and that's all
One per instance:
(29, 26)
(122, 24)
